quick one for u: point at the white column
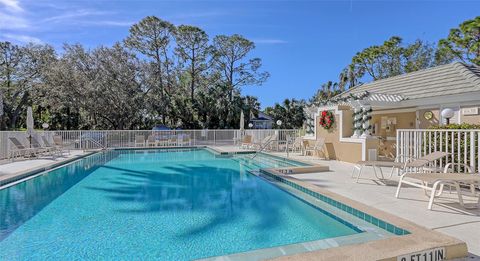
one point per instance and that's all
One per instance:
(356, 125)
(366, 121)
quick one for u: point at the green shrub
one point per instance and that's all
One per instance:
(462, 126)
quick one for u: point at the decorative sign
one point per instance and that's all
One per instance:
(384, 122)
(428, 115)
(427, 255)
(470, 111)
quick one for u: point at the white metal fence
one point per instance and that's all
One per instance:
(92, 139)
(462, 146)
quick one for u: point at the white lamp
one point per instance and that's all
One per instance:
(447, 113)
(279, 122)
(45, 125)
(250, 125)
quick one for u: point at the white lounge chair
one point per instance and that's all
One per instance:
(58, 141)
(151, 142)
(417, 164)
(42, 149)
(246, 142)
(56, 149)
(20, 150)
(139, 141)
(295, 145)
(434, 183)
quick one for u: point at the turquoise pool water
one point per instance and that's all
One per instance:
(156, 204)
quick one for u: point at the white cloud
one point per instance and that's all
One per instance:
(75, 14)
(12, 5)
(269, 41)
(112, 23)
(12, 16)
(10, 21)
(21, 38)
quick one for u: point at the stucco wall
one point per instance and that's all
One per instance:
(425, 124)
(472, 119)
(343, 151)
(404, 120)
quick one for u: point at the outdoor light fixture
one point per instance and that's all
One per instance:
(250, 125)
(45, 125)
(279, 122)
(447, 113)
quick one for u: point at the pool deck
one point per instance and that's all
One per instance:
(22, 168)
(446, 216)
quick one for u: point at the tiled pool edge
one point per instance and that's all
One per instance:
(415, 239)
(355, 212)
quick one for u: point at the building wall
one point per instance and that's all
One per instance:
(471, 119)
(402, 120)
(435, 121)
(343, 151)
(425, 124)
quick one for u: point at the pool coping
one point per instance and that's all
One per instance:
(419, 238)
(308, 168)
(21, 176)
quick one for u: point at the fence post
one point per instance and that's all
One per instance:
(472, 150)
(80, 146)
(398, 144)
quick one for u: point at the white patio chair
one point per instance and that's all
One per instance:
(409, 163)
(139, 141)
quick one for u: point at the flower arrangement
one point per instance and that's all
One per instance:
(327, 119)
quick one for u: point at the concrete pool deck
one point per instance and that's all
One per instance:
(447, 216)
(11, 171)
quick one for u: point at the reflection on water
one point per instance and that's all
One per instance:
(181, 205)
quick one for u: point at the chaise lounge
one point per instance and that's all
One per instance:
(410, 163)
(437, 181)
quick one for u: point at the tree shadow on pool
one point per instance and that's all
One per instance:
(222, 194)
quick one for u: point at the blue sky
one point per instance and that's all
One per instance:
(302, 43)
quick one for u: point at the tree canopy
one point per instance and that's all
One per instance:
(393, 57)
(158, 74)
(463, 43)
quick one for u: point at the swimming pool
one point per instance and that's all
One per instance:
(163, 204)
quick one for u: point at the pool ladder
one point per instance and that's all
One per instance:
(266, 144)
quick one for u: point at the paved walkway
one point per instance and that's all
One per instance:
(19, 167)
(447, 215)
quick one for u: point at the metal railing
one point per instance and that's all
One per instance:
(104, 139)
(462, 146)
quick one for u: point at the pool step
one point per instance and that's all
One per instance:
(262, 161)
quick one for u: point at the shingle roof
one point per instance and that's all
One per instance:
(454, 78)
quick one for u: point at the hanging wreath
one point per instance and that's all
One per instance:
(327, 119)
